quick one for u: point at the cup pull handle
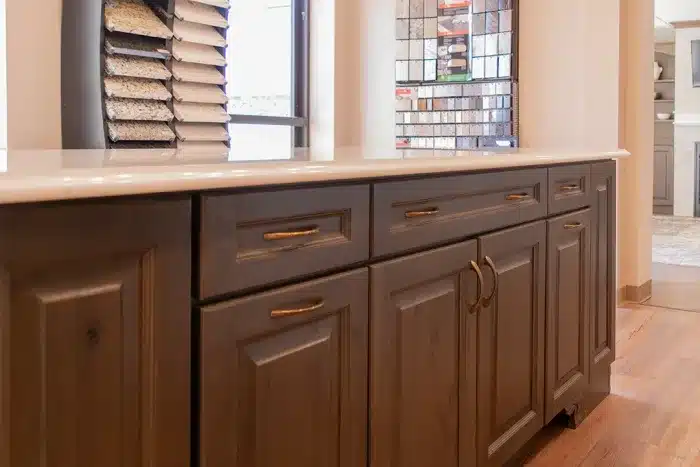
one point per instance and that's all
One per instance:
(279, 313)
(423, 213)
(270, 236)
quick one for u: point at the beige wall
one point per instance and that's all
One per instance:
(33, 74)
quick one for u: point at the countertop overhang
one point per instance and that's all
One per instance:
(28, 176)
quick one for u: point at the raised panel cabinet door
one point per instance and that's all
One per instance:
(283, 377)
(423, 356)
(511, 364)
(663, 176)
(95, 323)
(603, 289)
(568, 311)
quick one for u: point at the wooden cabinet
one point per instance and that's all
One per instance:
(95, 341)
(603, 287)
(511, 347)
(663, 179)
(283, 377)
(423, 356)
(568, 312)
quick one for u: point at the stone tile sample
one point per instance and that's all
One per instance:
(197, 92)
(197, 53)
(193, 72)
(198, 33)
(402, 8)
(201, 132)
(402, 29)
(200, 113)
(134, 17)
(205, 146)
(416, 8)
(218, 3)
(187, 10)
(127, 44)
(140, 145)
(135, 88)
(415, 28)
(117, 65)
(137, 109)
(139, 131)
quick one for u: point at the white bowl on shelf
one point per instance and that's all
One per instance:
(663, 116)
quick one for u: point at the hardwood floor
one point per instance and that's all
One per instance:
(652, 417)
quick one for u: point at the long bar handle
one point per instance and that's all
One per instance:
(489, 262)
(423, 213)
(573, 225)
(479, 286)
(518, 197)
(570, 187)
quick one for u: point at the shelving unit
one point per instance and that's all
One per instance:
(144, 73)
(663, 135)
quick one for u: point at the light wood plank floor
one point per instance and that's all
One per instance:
(652, 417)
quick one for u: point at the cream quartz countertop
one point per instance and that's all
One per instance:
(36, 176)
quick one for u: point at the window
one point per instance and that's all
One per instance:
(267, 75)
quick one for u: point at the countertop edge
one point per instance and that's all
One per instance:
(202, 177)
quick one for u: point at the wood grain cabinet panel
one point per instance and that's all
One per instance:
(511, 356)
(423, 356)
(254, 239)
(663, 177)
(284, 377)
(413, 214)
(95, 321)
(569, 188)
(568, 312)
(603, 276)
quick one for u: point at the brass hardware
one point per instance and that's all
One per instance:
(571, 187)
(573, 225)
(297, 233)
(479, 286)
(297, 311)
(489, 262)
(518, 197)
(424, 213)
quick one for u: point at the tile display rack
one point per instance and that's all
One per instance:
(456, 74)
(137, 73)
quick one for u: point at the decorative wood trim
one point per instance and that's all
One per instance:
(637, 294)
(686, 24)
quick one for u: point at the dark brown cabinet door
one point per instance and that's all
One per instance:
(284, 377)
(423, 350)
(568, 311)
(603, 289)
(511, 341)
(95, 323)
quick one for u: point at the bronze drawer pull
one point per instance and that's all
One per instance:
(489, 262)
(572, 187)
(297, 233)
(572, 225)
(297, 311)
(518, 197)
(479, 286)
(424, 213)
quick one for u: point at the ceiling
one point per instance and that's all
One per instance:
(668, 11)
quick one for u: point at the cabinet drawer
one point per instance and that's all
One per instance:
(569, 188)
(411, 214)
(283, 376)
(251, 239)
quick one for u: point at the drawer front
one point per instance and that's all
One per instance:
(283, 376)
(252, 239)
(411, 214)
(569, 188)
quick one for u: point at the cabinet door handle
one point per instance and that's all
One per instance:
(297, 311)
(423, 213)
(518, 197)
(479, 286)
(571, 187)
(572, 225)
(489, 262)
(293, 234)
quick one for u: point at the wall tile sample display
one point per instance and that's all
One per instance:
(162, 65)
(470, 43)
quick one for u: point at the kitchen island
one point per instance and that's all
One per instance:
(340, 309)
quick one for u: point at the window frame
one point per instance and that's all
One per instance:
(299, 122)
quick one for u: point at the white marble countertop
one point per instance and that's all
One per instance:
(34, 176)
